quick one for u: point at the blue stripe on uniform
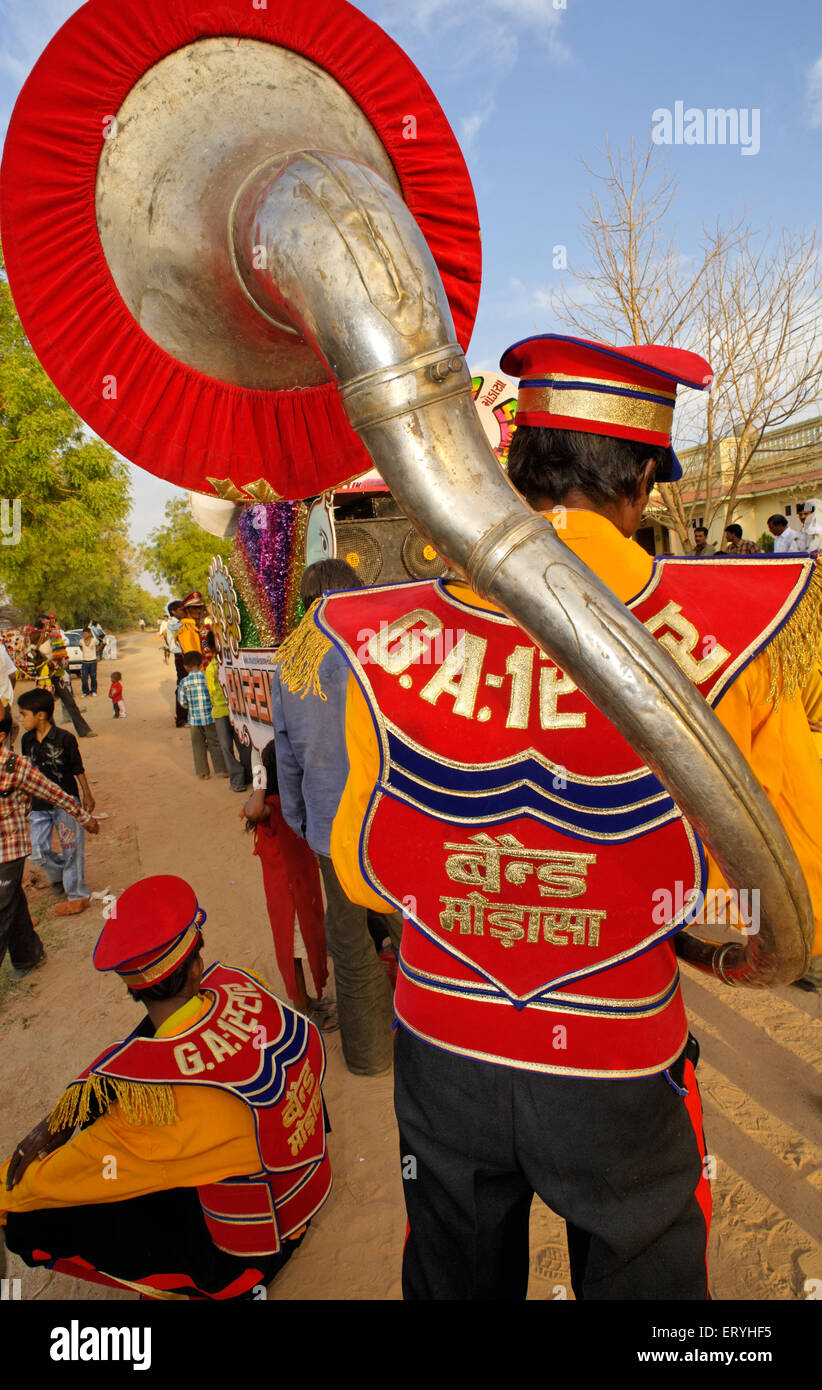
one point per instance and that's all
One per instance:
(594, 811)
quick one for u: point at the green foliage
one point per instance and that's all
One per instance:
(73, 554)
(179, 553)
(136, 602)
(765, 541)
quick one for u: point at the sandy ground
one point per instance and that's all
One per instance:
(760, 1069)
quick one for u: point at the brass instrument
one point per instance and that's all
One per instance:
(268, 251)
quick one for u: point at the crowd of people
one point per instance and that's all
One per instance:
(786, 540)
(46, 803)
(482, 913)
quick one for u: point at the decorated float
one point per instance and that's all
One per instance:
(255, 598)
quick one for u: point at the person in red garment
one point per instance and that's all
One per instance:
(188, 1159)
(543, 870)
(295, 905)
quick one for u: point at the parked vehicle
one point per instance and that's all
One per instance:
(72, 637)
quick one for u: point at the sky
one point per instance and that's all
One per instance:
(534, 89)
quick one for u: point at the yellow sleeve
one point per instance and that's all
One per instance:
(812, 700)
(215, 690)
(779, 746)
(363, 774)
(109, 1161)
(189, 638)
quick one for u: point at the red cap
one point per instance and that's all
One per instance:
(155, 926)
(194, 600)
(626, 392)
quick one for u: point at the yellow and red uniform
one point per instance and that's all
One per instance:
(227, 1123)
(188, 637)
(459, 973)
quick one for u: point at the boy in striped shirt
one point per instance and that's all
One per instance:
(19, 782)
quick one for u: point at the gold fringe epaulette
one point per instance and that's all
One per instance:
(141, 1103)
(796, 647)
(301, 655)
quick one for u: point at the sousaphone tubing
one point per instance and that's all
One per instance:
(243, 243)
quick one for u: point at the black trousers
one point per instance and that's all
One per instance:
(17, 934)
(180, 712)
(62, 692)
(162, 1233)
(620, 1161)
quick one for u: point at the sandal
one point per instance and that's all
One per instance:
(323, 1014)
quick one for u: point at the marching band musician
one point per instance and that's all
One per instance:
(543, 870)
(188, 1160)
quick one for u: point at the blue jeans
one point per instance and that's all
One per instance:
(88, 677)
(68, 867)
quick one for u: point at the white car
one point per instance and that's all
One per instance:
(71, 637)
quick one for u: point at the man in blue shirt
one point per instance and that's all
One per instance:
(312, 768)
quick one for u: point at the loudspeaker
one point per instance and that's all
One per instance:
(387, 551)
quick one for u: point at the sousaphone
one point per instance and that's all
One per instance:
(243, 243)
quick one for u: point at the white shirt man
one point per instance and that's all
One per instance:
(7, 671)
(786, 541)
(810, 514)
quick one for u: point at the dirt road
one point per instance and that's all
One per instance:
(760, 1069)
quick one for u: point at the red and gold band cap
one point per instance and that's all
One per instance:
(155, 926)
(625, 392)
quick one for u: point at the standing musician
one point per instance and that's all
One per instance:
(188, 1160)
(543, 870)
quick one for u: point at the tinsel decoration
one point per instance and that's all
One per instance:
(266, 566)
(249, 636)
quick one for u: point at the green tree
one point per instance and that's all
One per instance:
(66, 495)
(179, 553)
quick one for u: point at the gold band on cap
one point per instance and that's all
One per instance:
(606, 407)
(158, 970)
(613, 385)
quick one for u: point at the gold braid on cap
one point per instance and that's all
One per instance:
(159, 970)
(599, 402)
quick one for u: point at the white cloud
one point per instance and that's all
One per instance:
(814, 91)
(540, 14)
(481, 46)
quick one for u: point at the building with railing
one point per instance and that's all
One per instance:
(785, 470)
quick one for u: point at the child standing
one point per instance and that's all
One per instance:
(219, 713)
(193, 696)
(115, 694)
(55, 754)
(88, 658)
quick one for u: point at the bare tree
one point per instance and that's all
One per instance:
(746, 301)
(765, 301)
